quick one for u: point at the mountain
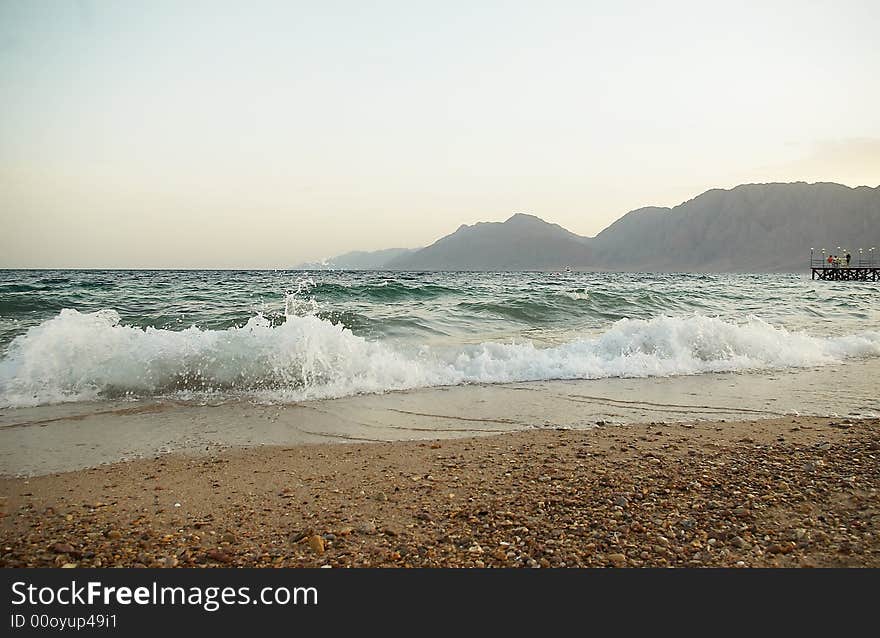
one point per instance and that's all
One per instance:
(356, 260)
(523, 242)
(750, 228)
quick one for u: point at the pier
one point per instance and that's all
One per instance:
(864, 266)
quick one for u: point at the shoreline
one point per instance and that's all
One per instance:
(73, 436)
(781, 492)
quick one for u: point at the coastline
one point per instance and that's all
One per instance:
(781, 492)
(74, 436)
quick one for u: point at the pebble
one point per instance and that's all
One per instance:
(739, 542)
(781, 548)
(219, 556)
(316, 543)
(297, 536)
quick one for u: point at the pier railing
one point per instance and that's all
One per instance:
(863, 259)
(864, 265)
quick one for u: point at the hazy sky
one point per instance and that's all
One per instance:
(261, 134)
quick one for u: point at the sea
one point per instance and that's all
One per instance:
(277, 337)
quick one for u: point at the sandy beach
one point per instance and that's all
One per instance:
(790, 491)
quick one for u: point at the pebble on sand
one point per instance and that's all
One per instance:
(316, 543)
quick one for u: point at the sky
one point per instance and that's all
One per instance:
(169, 134)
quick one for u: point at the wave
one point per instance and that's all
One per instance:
(8, 288)
(86, 356)
(383, 291)
(575, 295)
(549, 307)
(521, 310)
(16, 305)
(96, 284)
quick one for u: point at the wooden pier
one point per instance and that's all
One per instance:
(843, 266)
(845, 273)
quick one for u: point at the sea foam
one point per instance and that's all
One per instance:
(85, 356)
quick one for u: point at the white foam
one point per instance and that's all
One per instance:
(575, 295)
(77, 356)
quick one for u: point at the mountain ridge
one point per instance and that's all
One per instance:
(760, 227)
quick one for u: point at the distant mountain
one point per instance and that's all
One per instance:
(750, 228)
(356, 260)
(523, 242)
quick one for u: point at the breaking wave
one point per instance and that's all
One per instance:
(85, 356)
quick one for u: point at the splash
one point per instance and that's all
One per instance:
(86, 356)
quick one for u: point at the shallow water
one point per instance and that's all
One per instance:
(71, 436)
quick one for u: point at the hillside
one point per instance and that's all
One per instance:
(750, 228)
(523, 242)
(754, 227)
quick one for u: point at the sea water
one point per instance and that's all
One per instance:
(285, 336)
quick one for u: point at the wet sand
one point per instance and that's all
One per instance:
(791, 491)
(74, 436)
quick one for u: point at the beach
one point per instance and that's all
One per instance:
(784, 492)
(437, 420)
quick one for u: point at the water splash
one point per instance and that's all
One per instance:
(84, 356)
